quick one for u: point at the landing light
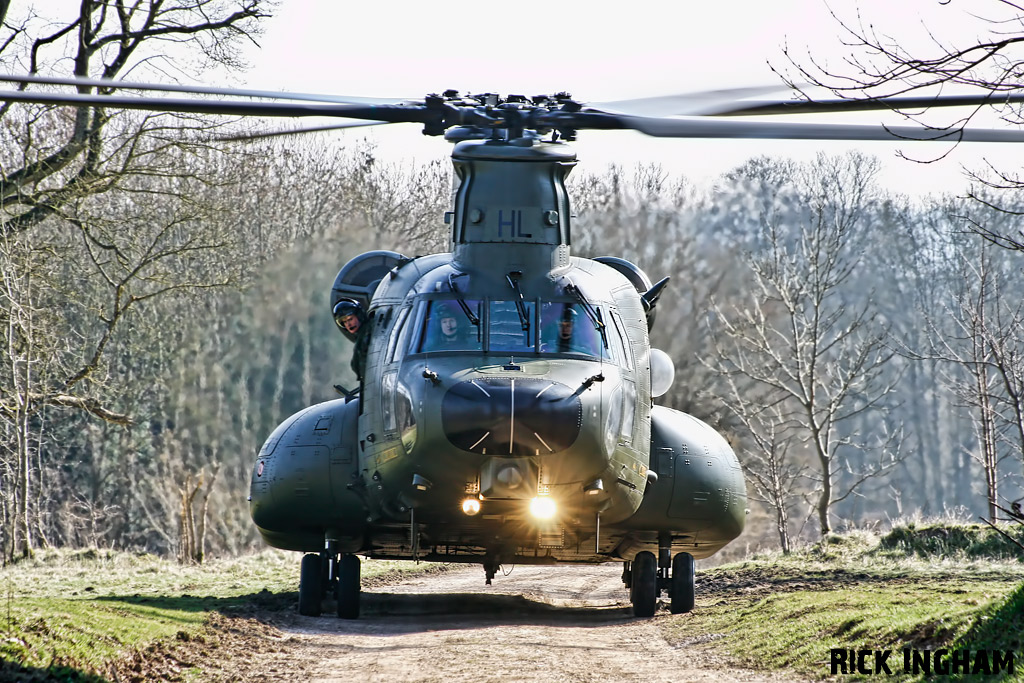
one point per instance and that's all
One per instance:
(542, 507)
(471, 506)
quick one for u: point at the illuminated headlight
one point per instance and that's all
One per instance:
(542, 507)
(471, 506)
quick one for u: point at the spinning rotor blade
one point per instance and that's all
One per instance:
(734, 102)
(193, 89)
(387, 113)
(713, 128)
(509, 118)
(783, 107)
(687, 104)
(244, 137)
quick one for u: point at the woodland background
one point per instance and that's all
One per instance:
(164, 305)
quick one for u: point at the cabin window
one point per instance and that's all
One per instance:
(405, 417)
(625, 348)
(387, 400)
(628, 410)
(566, 328)
(451, 325)
(510, 328)
(397, 335)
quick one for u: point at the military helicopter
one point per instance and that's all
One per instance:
(505, 411)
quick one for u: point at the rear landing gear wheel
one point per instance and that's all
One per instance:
(682, 590)
(311, 585)
(644, 591)
(348, 588)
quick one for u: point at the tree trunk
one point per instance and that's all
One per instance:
(23, 527)
(825, 497)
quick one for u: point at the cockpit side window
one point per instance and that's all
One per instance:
(447, 326)
(565, 328)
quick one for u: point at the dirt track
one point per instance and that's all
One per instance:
(536, 624)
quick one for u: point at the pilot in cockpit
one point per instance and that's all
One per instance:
(450, 334)
(565, 336)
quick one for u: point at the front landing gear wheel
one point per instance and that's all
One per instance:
(644, 591)
(682, 583)
(347, 590)
(311, 585)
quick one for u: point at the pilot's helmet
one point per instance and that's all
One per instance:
(568, 315)
(349, 316)
(444, 311)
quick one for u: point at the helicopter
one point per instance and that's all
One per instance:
(505, 412)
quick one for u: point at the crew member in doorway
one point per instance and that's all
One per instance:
(351, 320)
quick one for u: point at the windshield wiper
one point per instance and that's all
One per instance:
(513, 281)
(588, 308)
(462, 302)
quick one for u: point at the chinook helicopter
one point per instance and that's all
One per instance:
(505, 411)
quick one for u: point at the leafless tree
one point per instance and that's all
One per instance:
(54, 157)
(814, 358)
(985, 359)
(95, 210)
(26, 359)
(776, 477)
(879, 65)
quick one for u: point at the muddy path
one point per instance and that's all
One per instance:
(534, 624)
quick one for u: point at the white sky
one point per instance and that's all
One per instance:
(598, 52)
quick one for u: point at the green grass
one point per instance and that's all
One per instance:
(71, 616)
(937, 539)
(862, 592)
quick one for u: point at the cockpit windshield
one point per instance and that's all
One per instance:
(448, 327)
(510, 332)
(498, 326)
(565, 328)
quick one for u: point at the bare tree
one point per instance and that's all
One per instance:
(99, 207)
(815, 355)
(53, 158)
(776, 478)
(985, 359)
(878, 66)
(195, 507)
(26, 357)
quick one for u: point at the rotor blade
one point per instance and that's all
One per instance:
(192, 89)
(686, 104)
(712, 128)
(733, 102)
(386, 112)
(773, 107)
(245, 137)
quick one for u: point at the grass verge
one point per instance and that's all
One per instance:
(862, 592)
(101, 615)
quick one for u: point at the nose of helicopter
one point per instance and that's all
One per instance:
(511, 416)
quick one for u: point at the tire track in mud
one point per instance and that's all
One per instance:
(565, 623)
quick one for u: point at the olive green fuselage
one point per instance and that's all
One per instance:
(498, 375)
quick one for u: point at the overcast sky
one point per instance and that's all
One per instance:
(632, 49)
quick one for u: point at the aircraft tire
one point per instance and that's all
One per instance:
(682, 583)
(310, 585)
(348, 587)
(644, 594)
